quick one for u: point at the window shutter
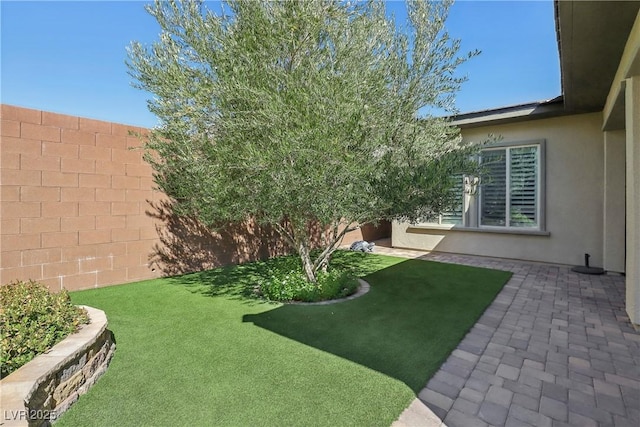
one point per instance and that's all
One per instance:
(523, 194)
(455, 216)
(493, 194)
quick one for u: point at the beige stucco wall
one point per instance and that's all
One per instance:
(632, 122)
(574, 194)
(614, 201)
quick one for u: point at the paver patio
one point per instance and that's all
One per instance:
(555, 348)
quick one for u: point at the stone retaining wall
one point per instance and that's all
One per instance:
(43, 389)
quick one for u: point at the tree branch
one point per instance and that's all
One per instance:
(285, 234)
(335, 243)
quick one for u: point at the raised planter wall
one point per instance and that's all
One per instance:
(43, 389)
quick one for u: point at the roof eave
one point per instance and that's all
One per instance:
(516, 113)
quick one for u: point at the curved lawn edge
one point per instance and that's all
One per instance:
(45, 387)
(363, 288)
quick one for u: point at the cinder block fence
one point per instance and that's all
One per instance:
(78, 209)
(73, 194)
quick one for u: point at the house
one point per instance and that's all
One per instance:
(565, 175)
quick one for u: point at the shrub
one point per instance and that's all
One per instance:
(291, 285)
(331, 285)
(32, 320)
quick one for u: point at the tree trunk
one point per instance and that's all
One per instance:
(307, 265)
(331, 245)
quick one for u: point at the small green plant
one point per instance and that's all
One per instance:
(331, 285)
(292, 285)
(32, 320)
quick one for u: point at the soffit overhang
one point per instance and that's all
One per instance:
(591, 39)
(613, 113)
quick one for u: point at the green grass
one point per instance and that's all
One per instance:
(194, 350)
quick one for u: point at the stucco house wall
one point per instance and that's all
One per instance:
(592, 160)
(573, 197)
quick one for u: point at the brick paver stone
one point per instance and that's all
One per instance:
(555, 348)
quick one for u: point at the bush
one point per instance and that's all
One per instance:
(32, 320)
(331, 285)
(292, 285)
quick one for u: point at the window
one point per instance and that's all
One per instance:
(455, 217)
(510, 193)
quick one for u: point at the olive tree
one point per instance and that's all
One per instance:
(301, 113)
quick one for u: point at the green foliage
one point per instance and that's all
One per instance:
(32, 320)
(282, 279)
(520, 219)
(303, 112)
(292, 285)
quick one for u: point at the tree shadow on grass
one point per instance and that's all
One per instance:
(405, 327)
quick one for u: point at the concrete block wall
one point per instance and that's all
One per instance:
(368, 232)
(73, 196)
(78, 209)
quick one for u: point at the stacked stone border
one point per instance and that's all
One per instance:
(43, 389)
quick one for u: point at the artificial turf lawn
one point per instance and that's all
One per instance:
(194, 350)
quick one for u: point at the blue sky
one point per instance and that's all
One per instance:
(69, 57)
